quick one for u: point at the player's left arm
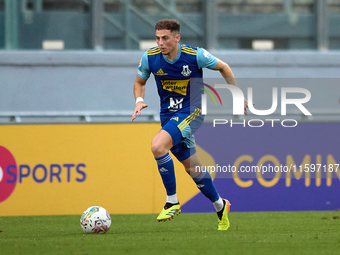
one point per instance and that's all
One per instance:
(228, 75)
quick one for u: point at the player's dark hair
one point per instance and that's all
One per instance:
(168, 24)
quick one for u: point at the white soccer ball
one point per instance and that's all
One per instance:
(95, 219)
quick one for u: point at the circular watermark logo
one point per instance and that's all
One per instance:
(6, 174)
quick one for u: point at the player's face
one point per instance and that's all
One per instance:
(167, 41)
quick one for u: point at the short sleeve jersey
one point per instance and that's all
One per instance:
(173, 77)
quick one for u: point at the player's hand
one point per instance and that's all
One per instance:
(138, 108)
(246, 106)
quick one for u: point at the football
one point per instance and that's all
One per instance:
(95, 219)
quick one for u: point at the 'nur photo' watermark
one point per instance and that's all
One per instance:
(238, 104)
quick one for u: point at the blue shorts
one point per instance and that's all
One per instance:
(181, 128)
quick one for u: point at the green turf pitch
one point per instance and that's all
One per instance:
(250, 233)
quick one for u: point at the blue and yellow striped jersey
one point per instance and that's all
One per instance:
(173, 77)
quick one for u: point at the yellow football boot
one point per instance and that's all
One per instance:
(169, 211)
(223, 221)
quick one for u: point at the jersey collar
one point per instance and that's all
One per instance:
(178, 56)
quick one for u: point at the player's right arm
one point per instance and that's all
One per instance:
(143, 74)
(139, 91)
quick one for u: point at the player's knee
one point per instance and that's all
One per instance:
(158, 149)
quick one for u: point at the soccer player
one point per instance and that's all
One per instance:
(173, 65)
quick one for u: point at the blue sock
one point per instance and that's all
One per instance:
(167, 171)
(206, 186)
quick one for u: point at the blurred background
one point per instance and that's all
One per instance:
(77, 59)
(67, 69)
(128, 24)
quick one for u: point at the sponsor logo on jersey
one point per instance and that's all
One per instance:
(177, 86)
(160, 72)
(175, 104)
(186, 71)
(175, 118)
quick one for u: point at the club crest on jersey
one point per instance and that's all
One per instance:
(186, 71)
